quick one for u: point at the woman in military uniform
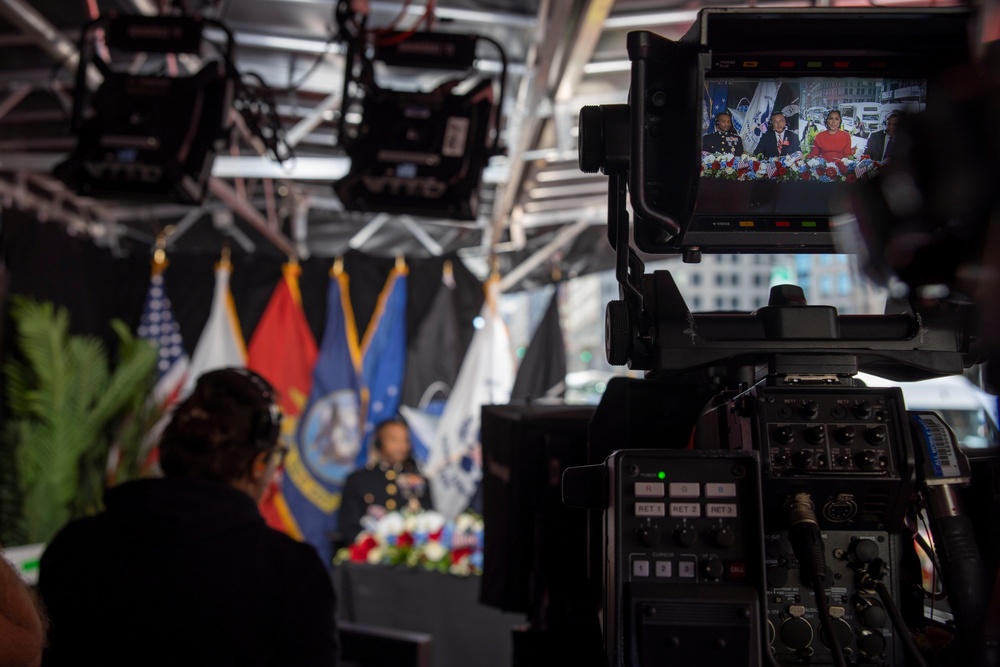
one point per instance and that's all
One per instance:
(390, 482)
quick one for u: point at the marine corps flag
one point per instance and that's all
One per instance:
(283, 351)
(454, 466)
(329, 432)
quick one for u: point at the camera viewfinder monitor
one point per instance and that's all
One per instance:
(748, 134)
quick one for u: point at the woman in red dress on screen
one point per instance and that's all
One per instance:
(833, 144)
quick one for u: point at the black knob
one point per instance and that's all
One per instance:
(616, 333)
(810, 410)
(876, 435)
(712, 568)
(649, 535)
(780, 459)
(725, 537)
(843, 460)
(865, 550)
(871, 643)
(816, 434)
(846, 435)
(874, 616)
(796, 633)
(863, 410)
(590, 144)
(802, 459)
(785, 435)
(686, 536)
(866, 459)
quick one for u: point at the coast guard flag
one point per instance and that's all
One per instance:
(758, 115)
(221, 342)
(454, 466)
(283, 351)
(329, 432)
(383, 354)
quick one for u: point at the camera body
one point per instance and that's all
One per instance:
(814, 574)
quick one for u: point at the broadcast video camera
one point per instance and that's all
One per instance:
(757, 503)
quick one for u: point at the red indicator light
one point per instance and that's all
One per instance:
(878, 64)
(782, 223)
(841, 64)
(786, 64)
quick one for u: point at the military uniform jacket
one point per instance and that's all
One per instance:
(378, 488)
(719, 142)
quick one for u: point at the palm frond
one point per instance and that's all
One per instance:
(63, 398)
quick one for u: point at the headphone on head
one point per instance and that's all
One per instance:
(376, 440)
(252, 391)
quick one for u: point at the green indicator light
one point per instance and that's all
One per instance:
(661, 475)
(814, 63)
(808, 223)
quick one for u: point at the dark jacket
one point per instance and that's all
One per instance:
(723, 142)
(376, 488)
(876, 146)
(768, 145)
(184, 572)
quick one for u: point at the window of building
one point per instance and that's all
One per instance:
(825, 286)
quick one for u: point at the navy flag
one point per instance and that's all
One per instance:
(328, 446)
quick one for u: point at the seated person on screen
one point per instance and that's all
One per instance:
(725, 139)
(182, 570)
(833, 143)
(390, 482)
(779, 140)
(880, 144)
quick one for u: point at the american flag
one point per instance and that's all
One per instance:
(159, 327)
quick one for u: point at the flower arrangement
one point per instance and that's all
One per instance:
(424, 539)
(785, 168)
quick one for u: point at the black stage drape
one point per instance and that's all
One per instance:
(45, 262)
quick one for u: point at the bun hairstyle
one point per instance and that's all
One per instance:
(217, 432)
